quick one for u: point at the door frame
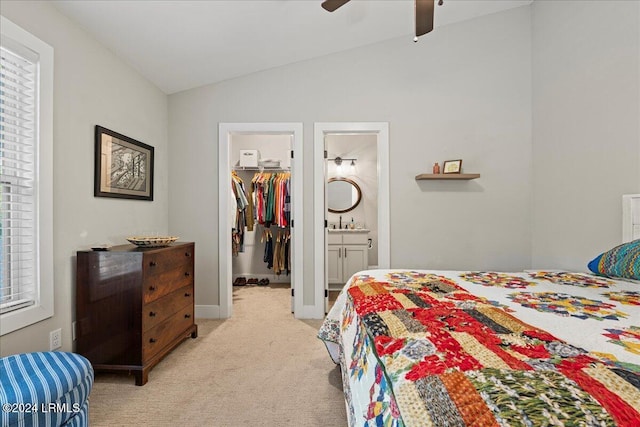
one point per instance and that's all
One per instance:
(381, 129)
(225, 274)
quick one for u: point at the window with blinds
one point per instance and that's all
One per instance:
(18, 148)
(26, 178)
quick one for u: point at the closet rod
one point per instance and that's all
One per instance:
(261, 169)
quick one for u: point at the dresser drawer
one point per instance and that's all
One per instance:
(161, 309)
(157, 286)
(157, 263)
(161, 335)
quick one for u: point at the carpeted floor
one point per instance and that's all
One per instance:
(261, 367)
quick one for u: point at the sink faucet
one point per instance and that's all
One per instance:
(340, 226)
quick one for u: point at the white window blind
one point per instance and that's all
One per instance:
(18, 171)
(26, 178)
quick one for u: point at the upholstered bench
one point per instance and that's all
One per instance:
(45, 389)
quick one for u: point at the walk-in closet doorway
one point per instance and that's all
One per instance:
(270, 139)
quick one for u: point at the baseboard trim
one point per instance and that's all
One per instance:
(273, 278)
(207, 311)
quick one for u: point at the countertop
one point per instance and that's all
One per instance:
(348, 230)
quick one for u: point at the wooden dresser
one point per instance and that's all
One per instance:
(133, 306)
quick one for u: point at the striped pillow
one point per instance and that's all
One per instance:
(622, 261)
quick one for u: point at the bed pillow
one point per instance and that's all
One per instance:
(622, 261)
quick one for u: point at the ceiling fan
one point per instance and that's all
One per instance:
(423, 13)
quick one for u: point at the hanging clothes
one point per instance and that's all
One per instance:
(267, 238)
(250, 217)
(287, 254)
(268, 203)
(281, 253)
(271, 199)
(240, 220)
(287, 202)
(276, 255)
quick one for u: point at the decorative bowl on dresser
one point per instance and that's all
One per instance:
(152, 241)
(134, 305)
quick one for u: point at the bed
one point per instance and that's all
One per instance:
(462, 348)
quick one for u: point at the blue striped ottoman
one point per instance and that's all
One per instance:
(45, 389)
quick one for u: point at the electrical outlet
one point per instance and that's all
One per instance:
(55, 339)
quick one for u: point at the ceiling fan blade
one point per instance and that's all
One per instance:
(424, 16)
(331, 5)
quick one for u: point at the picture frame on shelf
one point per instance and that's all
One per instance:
(123, 166)
(452, 166)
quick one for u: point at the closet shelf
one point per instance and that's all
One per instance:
(445, 176)
(260, 168)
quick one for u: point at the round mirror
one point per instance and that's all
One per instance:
(343, 195)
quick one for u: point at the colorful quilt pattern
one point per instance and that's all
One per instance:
(437, 355)
(624, 297)
(573, 279)
(382, 411)
(629, 338)
(568, 305)
(502, 280)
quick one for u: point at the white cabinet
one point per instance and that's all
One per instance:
(347, 253)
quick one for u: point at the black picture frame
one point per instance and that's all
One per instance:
(123, 166)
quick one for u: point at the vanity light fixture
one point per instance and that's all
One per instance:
(338, 161)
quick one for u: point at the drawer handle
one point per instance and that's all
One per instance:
(152, 314)
(187, 274)
(187, 316)
(152, 264)
(187, 294)
(152, 340)
(152, 288)
(187, 254)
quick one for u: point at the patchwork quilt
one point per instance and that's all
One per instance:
(450, 348)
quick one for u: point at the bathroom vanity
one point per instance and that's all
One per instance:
(347, 254)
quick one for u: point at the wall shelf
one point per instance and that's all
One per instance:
(444, 176)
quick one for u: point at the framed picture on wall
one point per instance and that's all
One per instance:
(123, 166)
(452, 166)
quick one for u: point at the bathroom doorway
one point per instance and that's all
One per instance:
(350, 152)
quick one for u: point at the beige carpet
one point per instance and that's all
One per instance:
(262, 367)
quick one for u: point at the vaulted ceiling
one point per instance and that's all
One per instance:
(179, 45)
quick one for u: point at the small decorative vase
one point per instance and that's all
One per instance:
(436, 168)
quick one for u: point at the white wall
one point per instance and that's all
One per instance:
(91, 86)
(464, 91)
(586, 127)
